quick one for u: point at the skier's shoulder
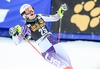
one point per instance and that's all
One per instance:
(25, 26)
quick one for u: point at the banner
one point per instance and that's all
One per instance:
(9, 11)
(10, 15)
(81, 21)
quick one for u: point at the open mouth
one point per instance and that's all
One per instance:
(31, 14)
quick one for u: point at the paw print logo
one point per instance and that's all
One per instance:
(83, 21)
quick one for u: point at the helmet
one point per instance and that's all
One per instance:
(23, 7)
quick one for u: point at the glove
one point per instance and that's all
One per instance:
(26, 37)
(13, 31)
(62, 9)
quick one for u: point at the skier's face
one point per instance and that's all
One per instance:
(29, 12)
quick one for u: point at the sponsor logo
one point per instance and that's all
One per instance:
(57, 62)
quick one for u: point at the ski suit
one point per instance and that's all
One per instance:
(49, 46)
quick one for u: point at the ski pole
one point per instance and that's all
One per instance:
(31, 44)
(34, 47)
(59, 30)
(64, 8)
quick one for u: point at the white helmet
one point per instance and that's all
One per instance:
(23, 7)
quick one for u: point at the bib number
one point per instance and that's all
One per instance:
(43, 31)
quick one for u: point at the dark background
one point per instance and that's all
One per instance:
(67, 26)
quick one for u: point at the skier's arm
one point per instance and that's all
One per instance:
(15, 32)
(50, 18)
(17, 39)
(18, 33)
(57, 16)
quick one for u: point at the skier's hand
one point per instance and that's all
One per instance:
(19, 29)
(26, 37)
(62, 9)
(13, 31)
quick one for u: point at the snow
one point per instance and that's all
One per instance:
(83, 55)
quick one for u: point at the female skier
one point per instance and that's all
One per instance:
(36, 29)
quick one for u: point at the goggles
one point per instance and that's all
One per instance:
(29, 12)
